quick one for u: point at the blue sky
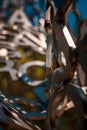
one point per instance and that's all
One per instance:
(82, 7)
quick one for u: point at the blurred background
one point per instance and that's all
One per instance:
(15, 37)
(34, 10)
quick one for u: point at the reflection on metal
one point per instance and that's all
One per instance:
(63, 75)
(3, 52)
(15, 116)
(60, 38)
(33, 115)
(68, 37)
(57, 93)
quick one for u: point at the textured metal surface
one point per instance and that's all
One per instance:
(65, 67)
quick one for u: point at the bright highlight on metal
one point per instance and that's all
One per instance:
(3, 52)
(68, 37)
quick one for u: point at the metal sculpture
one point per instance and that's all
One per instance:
(60, 91)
